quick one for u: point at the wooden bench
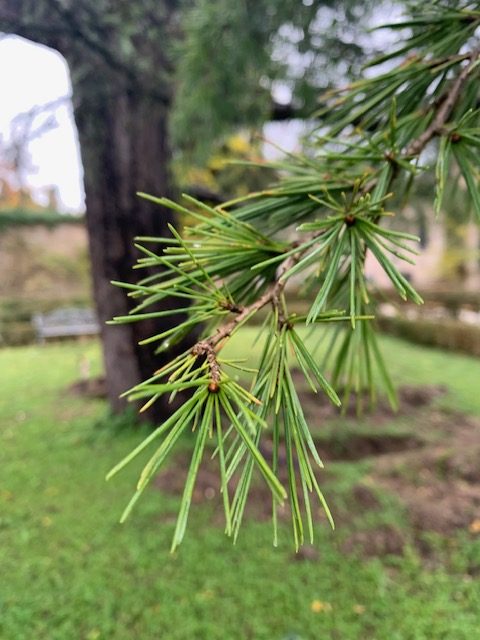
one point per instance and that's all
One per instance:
(65, 323)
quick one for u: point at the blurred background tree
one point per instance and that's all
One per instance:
(249, 62)
(215, 65)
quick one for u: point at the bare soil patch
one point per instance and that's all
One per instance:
(440, 484)
(435, 473)
(345, 448)
(355, 447)
(385, 540)
(318, 408)
(89, 388)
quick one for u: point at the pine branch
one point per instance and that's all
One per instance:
(271, 295)
(233, 262)
(442, 109)
(209, 346)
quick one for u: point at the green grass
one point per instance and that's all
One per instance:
(69, 571)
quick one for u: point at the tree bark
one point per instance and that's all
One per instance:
(124, 143)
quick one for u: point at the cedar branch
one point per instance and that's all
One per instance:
(209, 346)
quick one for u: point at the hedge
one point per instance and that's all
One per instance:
(446, 334)
(451, 299)
(20, 218)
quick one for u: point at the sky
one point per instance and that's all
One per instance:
(31, 75)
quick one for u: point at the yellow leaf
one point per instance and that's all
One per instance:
(475, 526)
(238, 145)
(317, 606)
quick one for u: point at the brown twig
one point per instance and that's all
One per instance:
(445, 106)
(445, 109)
(209, 346)
(204, 348)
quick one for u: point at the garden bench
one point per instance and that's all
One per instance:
(65, 323)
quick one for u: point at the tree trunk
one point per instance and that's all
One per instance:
(121, 92)
(124, 144)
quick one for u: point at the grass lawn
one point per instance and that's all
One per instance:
(69, 571)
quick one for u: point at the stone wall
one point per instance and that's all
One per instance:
(40, 262)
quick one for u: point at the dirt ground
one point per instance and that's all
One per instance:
(432, 469)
